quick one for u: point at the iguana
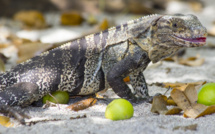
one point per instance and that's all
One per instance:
(100, 61)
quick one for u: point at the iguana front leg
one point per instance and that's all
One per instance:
(132, 62)
(139, 84)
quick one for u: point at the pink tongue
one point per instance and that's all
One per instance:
(200, 39)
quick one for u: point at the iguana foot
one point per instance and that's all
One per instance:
(17, 114)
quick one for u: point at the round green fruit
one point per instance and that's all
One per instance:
(206, 94)
(119, 109)
(60, 97)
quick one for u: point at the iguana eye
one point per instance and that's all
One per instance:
(174, 25)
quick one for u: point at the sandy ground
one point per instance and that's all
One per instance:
(143, 121)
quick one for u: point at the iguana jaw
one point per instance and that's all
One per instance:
(190, 41)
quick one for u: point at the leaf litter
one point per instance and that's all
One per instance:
(184, 96)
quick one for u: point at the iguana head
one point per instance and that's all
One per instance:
(180, 30)
(169, 33)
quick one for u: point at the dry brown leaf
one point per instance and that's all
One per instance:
(2, 66)
(181, 85)
(91, 20)
(159, 105)
(18, 41)
(126, 79)
(196, 6)
(170, 101)
(5, 121)
(71, 18)
(192, 61)
(99, 96)
(180, 99)
(211, 32)
(172, 59)
(29, 50)
(186, 99)
(104, 25)
(31, 18)
(199, 110)
(81, 105)
(3, 60)
(173, 111)
(4, 45)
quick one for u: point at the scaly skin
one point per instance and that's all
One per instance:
(100, 61)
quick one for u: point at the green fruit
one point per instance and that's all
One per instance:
(206, 94)
(119, 109)
(60, 97)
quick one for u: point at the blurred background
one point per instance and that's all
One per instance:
(29, 27)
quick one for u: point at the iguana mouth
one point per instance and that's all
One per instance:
(195, 39)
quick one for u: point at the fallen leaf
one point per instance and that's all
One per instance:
(199, 110)
(181, 96)
(5, 121)
(159, 105)
(182, 86)
(126, 79)
(3, 60)
(99, 96)
(104, 25)
(173, 111)
(196, 6)
(91, 20)
(170, 101)
(192, 61)
(71, 18)
(211, 32)
(18, 41)
(186, 99)
(172, 59)
(81, 105)
(29, 50)
(2, 66)
(192, 127)
(31, 19)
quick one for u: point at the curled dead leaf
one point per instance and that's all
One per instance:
(170, 101)
(104, 25)
(5, 121)
(126, 79)
(3, 60)
(29, 50)
(186, 99)
(31, 18)
(190, 61)
(81, 105)
(91, 20)
(71, 18)
(173, 111)
(159, 105)
(181, 86)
